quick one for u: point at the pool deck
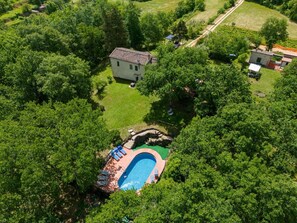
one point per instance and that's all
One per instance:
(117, 168)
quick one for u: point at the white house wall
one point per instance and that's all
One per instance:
(123, 70)
(265, 59)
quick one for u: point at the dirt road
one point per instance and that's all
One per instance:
(218, 21)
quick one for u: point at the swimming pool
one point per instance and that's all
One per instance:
(137, 172)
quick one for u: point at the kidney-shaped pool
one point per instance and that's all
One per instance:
(137, 172)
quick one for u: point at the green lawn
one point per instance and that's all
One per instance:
(155, 5)
(265, 84)
(211, 8)
(252, 16)
(164, 152)
(124, 106)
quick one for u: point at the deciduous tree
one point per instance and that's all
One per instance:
(132, 15)
(274, 30)
(61, 78)
(48, 155)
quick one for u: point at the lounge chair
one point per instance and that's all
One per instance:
(121, 149)
(104, 172)
(102, 177)
(115, 156)
(152, 178)
(101, 183)
(156, 173)
(116, 151)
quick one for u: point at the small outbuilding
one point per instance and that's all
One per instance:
(254, 70)
(285, 61)
(260, 57)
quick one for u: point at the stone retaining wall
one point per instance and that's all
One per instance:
(148, 136)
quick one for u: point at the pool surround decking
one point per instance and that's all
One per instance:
(117, 168)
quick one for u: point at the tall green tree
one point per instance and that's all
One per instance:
(175, 71)
(219, 86)
(132, 15)
(234, 45)
(44, 38)
(151, 28)
(61, 78)
(292, 10)
(20, 76)
(116, 34)
(91, 44)
(180, 30)
(274, 30)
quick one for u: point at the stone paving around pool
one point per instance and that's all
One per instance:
(117, 168)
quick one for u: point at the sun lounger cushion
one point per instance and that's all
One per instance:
(115, 156)
(121, 149)
(101, 183)
(118, 153)
(102, 177)
(104, 172)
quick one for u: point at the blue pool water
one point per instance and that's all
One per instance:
(137, 172)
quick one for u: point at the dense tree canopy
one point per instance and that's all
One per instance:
(40, 77)
(234, 45)
(185, 73)
(235, 161)
(47, 152)
(235, 166)
(223, 169)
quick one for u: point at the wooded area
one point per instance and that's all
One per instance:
(235, 161)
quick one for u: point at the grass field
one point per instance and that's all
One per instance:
(155, 5)
(211, 8)
(252, 16)
(265, 84)
(124, 107)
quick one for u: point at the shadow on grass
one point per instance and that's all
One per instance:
(182, 115)
(101, 67)
(122, 81)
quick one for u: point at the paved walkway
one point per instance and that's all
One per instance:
(216, 23)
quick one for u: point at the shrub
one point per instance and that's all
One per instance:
(26, 9)
(194, 28)
(99, 85)
(200, 5)
(211, 20)
(232, 3)
(227, 5)
(5, 5)
(221, 11)
(187, 6)
(109, 79)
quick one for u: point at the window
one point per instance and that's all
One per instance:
(259, 60)
(136, 68)
(118, 63)
(131, 67)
